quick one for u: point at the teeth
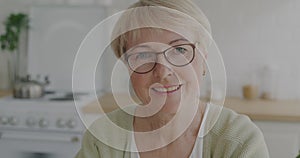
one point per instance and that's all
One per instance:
(166, 89)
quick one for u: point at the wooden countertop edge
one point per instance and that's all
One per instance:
(291, 111)
(257, 117)
(254, 117)
(264, 110)
(4, 93)
(258, 110)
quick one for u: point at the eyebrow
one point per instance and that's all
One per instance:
(140, 46)
(176, 40)
(146, 46)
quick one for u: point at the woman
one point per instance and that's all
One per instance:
(164, 45)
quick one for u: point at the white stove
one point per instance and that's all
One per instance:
(53, 112)
(40, 128)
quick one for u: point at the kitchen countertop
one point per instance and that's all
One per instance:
(4, 93)
(265, 110)
(272, 110)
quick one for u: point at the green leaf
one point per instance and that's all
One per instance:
(298, 155)
(14, 25)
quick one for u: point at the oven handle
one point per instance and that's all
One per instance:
(34, 137)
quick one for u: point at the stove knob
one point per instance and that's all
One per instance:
(61, 123)
(71, 123)
(13, 121)
(3, 120)
(31, 122)
(43, 123)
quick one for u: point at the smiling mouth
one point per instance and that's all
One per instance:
(169, 89)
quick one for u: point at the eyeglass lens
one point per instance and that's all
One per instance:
(179, 55)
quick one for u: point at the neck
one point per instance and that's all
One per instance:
(160, 119)
(156, 121)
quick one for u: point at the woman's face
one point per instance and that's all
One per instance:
(166, 84)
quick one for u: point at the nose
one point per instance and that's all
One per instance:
(162, 69)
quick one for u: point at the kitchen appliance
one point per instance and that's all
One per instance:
(50, 126)
(46, 127)
(27, 88)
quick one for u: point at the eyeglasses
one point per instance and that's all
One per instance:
(144, 62)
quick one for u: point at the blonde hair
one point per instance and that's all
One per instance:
(161, 15)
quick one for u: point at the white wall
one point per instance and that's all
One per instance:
(249, 33)
(9, 6)
(255, 33)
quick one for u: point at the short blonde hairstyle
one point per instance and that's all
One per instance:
(161, 15)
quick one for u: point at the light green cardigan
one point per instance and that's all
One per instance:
(230, 136)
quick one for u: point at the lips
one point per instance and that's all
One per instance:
(167, 89)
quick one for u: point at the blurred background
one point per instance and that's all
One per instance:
(258, 40)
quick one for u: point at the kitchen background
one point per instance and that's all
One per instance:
(259, 42)
(253, 36)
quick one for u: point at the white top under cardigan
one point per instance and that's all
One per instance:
(197, 149)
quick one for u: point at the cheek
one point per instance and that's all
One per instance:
(139, 83)
(198, 70)
(199, 64)
(196, 67)
(135, 81)
(195, 71)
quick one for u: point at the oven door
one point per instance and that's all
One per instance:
(23, 144)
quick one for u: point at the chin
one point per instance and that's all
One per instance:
(171, 106)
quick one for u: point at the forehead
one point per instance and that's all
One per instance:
(146, 35)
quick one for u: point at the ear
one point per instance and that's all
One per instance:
(204, 53)
(204, 59)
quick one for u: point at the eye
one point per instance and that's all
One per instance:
(180, 50)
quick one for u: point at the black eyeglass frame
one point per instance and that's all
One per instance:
(163, 52)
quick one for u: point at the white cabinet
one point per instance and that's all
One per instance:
(282, 138)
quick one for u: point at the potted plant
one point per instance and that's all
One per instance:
(298, 155)
(14, 24)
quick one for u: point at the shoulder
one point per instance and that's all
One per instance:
(113, 126)
(226, 124)
(122, 118)
(237, 134)
(231, 124)
(108, 135)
